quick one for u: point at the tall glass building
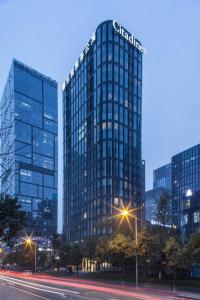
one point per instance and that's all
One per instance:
(152, 198)
(102, 98)
(29, 145)
(190, 214)
(143, 188)
(162, 177)
(185, 181)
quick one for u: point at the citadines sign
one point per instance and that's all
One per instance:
(129, 37)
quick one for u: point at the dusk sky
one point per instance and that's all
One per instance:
(50, 35)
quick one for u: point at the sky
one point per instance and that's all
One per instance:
(50, 35)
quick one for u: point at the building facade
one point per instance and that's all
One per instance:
(162, 177)
(29, 145)
(143, 188)
(152, 198)
(190, 220)
(102, 100)
(185, 178)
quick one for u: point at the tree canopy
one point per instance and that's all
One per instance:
(12, 218)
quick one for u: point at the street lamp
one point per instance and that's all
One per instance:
(29, 242)
(125, 213)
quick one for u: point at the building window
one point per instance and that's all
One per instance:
(116, 201)
(196, 217)
(185, 219)
(187, 204)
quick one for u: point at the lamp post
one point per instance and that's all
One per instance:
(126, 213)
(30, 242)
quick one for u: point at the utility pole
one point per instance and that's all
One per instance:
(35, 257)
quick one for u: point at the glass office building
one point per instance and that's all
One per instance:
(29, 145)
(102, 98)
(161, 187)
(143, 189)
(152, 198)
(191, 214)
(162, 177)
(185, 178)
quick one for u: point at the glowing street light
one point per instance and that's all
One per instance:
(29, 242)
(126, 213)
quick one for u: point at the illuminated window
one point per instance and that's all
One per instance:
(25, 172)
(103, 125)
(188, 203)
(185, 219)
(196, 217)
(116, 201)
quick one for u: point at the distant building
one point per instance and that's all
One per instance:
(161, 185)
(152, 198)
(190, 214)
(185, 176)
(29, 145)
(162, 177)
(102, 99)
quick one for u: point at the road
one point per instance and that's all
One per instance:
(19, 286)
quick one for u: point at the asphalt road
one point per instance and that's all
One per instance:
(15, 288)
(19, 286)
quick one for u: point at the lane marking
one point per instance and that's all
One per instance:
(31, 284)
(33, 287)
(29, 293)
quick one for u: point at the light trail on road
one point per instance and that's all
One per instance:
(37, 286)
(29, 285)
(35, 295)
(86, 287)
(96, 288)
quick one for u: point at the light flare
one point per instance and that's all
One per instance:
(125, 213)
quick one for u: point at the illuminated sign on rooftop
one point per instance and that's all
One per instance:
(118, 28)
(129, 37)
(80, 59)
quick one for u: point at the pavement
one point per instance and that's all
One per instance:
(20, 286)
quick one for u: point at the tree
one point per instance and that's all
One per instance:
(56, 246)
(89, 249)
(43, 259)
(64, 254)
(12, 219)
(76, 256)
(22, 257)
(56, 241)
(143, 244)
(142, 247)
(173, 254)
(191, 250)
(102, 251)
(162, 215)
(121, 248)
(157, 256)
(158, 237)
